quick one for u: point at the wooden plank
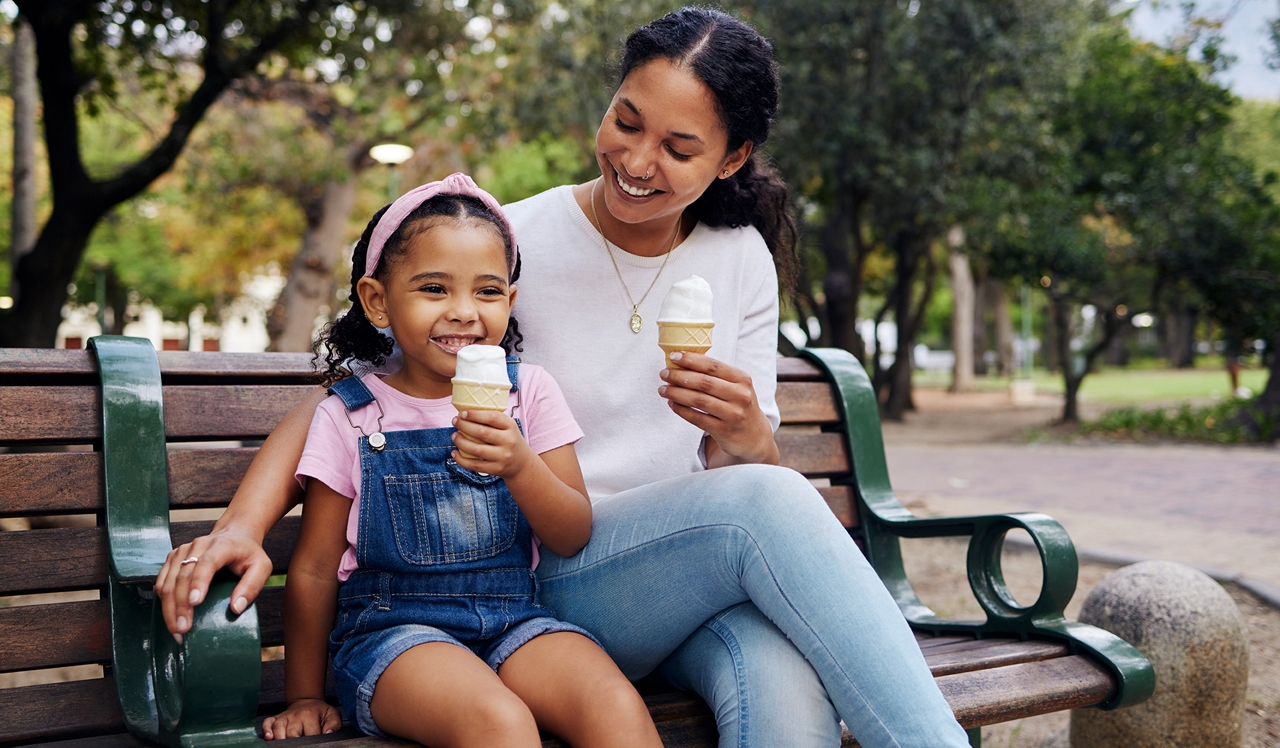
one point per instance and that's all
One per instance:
(73, 414)
(35, 637)
(999, 655)
(842, 503)
(270, 605)
(813, 454)
(985, 697)
(33, 561)
(45, 362)
(792, 369)
(59, 710)
(807, 402)
(931, 641)
(71, 482)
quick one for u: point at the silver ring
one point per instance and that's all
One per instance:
(186, 561)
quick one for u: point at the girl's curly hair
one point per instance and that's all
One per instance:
(352, 337)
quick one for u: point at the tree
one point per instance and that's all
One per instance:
(188, 52)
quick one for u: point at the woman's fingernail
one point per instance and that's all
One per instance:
(178, 637)
(240, 604)
(194, 597)
(182, 624)
(662, 390)
(677, 356)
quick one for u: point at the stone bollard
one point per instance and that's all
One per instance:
(1197, 641)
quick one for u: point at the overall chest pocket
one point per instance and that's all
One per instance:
(450, 517)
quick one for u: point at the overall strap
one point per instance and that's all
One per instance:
(513, 372)
(354, 393)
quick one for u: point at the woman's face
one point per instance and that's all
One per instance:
(662, 122)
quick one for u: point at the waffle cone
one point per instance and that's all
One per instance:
(692, 337)
(478, 396)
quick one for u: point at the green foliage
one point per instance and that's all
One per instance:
(518, 171)
(1220, 424)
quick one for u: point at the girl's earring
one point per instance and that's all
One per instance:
(726, 174)
(379, 316)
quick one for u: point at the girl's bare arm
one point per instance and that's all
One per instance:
(267, 492)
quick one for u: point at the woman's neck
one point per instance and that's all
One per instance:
(649, 239)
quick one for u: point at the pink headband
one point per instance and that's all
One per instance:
(454, 184)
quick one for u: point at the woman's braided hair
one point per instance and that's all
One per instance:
(352, 337)
(736, 64)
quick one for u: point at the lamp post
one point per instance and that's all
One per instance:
(391, 155)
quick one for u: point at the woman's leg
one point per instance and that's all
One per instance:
(761, 689)
(576, 692)
(665, 558)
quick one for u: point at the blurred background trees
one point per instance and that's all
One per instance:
(944, 157)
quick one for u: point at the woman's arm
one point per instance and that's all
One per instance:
(548, 487)
(267, 492)
(311, 599)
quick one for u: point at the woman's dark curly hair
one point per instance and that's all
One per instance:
(736, 64)
(352, 337)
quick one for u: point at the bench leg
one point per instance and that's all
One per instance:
(975, 737)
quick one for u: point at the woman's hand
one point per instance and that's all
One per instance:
(720, 400)
(183, 586)
(489, 441)
(303, 717)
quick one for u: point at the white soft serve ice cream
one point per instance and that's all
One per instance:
(483, 364)
(687, 301)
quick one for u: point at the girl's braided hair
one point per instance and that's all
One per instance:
(352, 337)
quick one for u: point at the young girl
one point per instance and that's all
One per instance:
(419, 557)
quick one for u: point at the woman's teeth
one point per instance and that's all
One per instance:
(633, 191)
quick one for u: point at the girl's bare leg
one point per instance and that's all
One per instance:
(442, 695)
(576, 692)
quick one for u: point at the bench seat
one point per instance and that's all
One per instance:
(55, 562)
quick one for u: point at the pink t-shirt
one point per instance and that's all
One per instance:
(332, 454)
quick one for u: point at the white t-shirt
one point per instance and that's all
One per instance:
(575, 318)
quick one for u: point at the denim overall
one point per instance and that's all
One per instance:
(444, 554)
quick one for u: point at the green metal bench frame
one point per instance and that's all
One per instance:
(204, 692)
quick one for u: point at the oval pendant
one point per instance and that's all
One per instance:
(636, 322)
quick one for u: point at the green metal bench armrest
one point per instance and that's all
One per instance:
(203, 692)
(885, 520)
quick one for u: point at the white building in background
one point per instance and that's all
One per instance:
(242, 324)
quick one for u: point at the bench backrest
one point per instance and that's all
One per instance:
(55, 644)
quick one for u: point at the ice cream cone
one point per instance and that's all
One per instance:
(479, 396)
(692, 337)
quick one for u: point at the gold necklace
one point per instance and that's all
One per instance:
(636, 321)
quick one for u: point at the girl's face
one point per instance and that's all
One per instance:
(663, 122)
(447, 290)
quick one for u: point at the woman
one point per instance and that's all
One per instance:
(725, 574)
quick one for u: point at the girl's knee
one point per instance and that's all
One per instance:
(501, 719)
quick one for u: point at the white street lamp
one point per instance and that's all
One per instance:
(391, 155)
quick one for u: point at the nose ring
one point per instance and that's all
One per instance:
(647, 174)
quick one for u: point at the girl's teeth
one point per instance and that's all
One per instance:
(634, 191)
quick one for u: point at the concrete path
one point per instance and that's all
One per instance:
(1212, 507)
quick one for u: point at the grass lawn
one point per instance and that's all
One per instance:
(1127, 386)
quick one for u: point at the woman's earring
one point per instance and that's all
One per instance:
(726, 174)
(379, 316)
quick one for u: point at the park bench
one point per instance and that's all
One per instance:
(108, 491)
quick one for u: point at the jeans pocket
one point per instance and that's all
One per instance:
(441, 518)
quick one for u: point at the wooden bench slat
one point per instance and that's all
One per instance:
(807, 402)
(998, 655)
(35, 637)
(191, 412)
(71, 558)
(928, 641)
(842, 503)
(54, 710)
(813, 454)
(792, 369)
(46, 362)
(71, 482)
(985, 697)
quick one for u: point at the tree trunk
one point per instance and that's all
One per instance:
(911, 249)
(999, 299)
(962, 318)
(981, 301)
(23, 70)
(1060, 323)
(1118, 351)
(1269, 400)
(840, 287)
(43, 276)
(309, 287)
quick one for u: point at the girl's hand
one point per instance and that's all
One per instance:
(492, 443)
(303, 717)
(720, 400)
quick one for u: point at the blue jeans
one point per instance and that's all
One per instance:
(663, 583)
